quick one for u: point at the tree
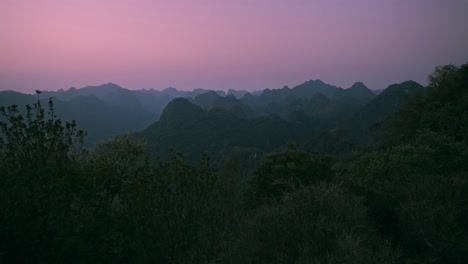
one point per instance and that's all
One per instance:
(40, 158)
(102, 225)
(169, 212)
(321, 223)
(283, 172)
(415, 189)
(416, 194)
(444, 110)
(113, 163)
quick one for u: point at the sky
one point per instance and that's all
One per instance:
(226, 44)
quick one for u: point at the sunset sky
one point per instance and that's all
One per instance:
(226, 44)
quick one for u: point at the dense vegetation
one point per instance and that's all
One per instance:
(385, 187)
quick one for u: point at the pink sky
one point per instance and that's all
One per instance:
(226, 44)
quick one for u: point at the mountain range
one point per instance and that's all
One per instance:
(220, 122)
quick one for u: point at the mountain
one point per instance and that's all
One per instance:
(329, 111)
(180, 111)
(11, 97)
(212, 100)
(173, 92)
(153, 101)
(7, 98)
(236, 119)
(357, 94)
(378, 91)
(390, 99)
(311, 87)
(237, 93)
(207, 100)
(275, 95)
(285, 100)
(104, 111)
(109, 93)
(353, 130)
(101, 120)
(188, 128)
(208, 122)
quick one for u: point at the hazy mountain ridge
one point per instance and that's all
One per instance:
(272, 119)
(116, 95)
(356, 128)
(188, 128)
(108, 110)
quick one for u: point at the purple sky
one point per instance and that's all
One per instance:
(226, 44)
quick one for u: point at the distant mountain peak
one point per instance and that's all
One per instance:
(411, 82)
(237, 93)
(110, 86)
(359, 86)
(180, 109)
(179, 102)
(406, 86)
(357, 94)
(309, 88)
(168, 89)
(316, 81)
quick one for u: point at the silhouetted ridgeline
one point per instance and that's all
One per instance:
(108, 110)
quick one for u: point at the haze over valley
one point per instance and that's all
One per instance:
(188, 120)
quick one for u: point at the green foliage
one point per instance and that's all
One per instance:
(416, 189)
(417, 195)
(284, 172)
(316, 224)
(113, 206)
(233, 177)
(443, 77)
(39, 159)
(114, 163)
(444, 110)
(169, 209)
(37, 139)
(100, 234)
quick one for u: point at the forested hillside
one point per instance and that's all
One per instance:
(309, 174)
(313, 115)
